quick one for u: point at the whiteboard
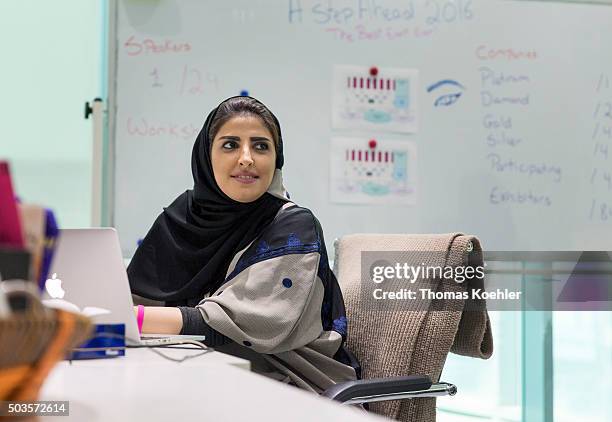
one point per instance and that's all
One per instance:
(520, 159)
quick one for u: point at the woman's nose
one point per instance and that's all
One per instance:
(245, 159)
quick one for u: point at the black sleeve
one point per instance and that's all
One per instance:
(193, 324)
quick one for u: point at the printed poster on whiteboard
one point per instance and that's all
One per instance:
(379, 99)
(372, 171)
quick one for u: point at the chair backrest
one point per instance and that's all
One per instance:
(392, 337)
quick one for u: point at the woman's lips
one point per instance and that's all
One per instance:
(247, 180)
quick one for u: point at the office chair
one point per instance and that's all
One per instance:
(402, 345)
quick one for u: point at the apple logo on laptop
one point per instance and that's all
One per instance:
(54, 287)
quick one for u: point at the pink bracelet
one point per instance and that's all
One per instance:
(140, 318)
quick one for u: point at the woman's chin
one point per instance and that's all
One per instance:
(245, 197)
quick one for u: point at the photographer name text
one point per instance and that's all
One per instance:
(428, 294)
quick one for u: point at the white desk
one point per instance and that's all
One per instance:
(143, 357)
(213, 387)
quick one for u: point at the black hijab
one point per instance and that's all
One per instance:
(188, 250)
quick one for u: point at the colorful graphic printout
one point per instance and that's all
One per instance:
(375, 99)
(368, 171)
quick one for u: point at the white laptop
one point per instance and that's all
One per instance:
(88, 275)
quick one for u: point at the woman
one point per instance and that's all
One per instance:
(234, 260)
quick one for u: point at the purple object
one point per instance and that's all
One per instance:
(51, 232)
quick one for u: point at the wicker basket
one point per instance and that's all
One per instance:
(33, 341)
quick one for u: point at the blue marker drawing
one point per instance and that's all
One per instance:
(446, 99)
(444, 82)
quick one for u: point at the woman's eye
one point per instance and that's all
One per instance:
(229, 145)
(262, 146)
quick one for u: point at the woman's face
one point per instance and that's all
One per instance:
(243, 158)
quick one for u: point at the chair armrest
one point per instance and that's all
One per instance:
(383, 389)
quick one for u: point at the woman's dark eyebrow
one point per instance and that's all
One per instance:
(253, 138)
